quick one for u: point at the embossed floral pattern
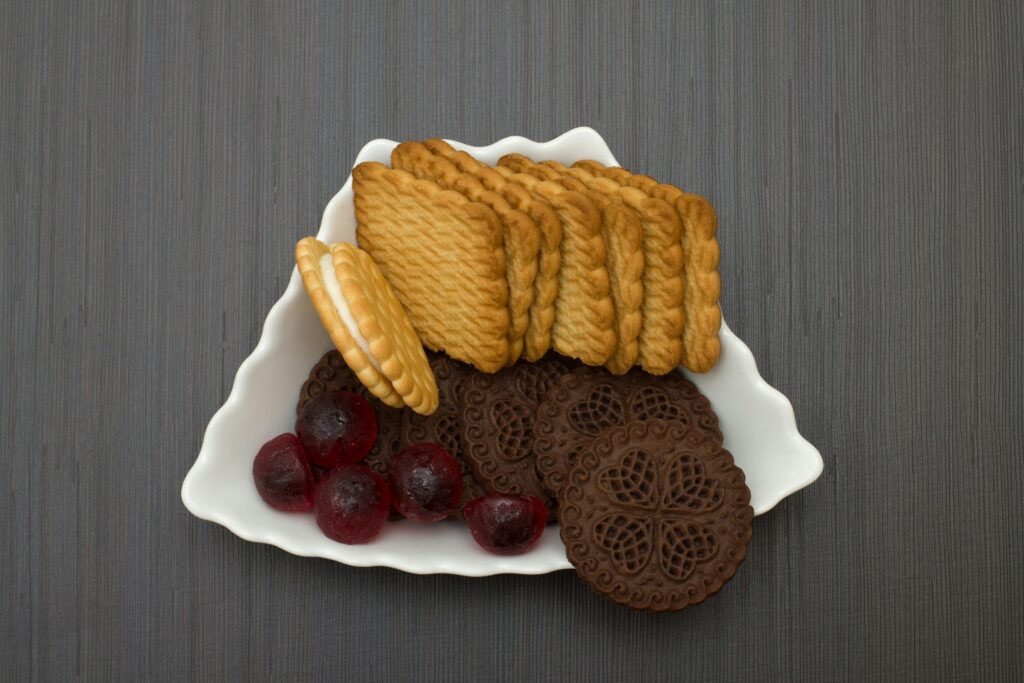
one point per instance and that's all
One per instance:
(655, 514)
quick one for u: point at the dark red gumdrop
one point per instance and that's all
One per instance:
(506, 524)
(352, 504)
(425, 482)
(337, 428)
(282, 474)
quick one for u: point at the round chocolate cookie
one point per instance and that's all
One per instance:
(589, 400)
(496, 421)
(442, 426)
(655, 515)
(332, 374)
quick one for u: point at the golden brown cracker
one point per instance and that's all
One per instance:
(584, 325)
(521, 235)
(537, 340)
(661, 336)
(522, 245)
(385, 327)
(308, 253)
(444, 257)
(623, 234)
(421, 159)
(703, 286)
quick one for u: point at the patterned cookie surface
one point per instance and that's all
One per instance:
(624, 256)
(521, 234)
(331, 373)
(584, 322)
(382, 322)
(442, 426)
(587, 401)
(308, 255)
(542, 313)
(496, 425)
(661, 334)
(655, 515)
(444, 257)
(702, 315)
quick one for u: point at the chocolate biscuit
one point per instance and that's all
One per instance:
(655, 515)
(497, 414)
(589, 400)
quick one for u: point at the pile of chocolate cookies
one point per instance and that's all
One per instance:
(653, 512)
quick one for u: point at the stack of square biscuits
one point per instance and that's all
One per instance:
(495, 263)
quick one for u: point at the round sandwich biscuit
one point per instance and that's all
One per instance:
(367, 323)
(442, 426)
(496, 425)
(332, 374)
(655, 515)
(589, 400)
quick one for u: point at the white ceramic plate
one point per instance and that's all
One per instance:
(756, 420)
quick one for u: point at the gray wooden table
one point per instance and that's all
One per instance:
(159, 160)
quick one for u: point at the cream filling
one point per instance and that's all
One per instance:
(341, 306)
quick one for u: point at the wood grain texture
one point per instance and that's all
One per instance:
(159, 160)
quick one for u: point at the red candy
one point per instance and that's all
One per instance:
(425, 482)
(337, 428)
(506, 524)
(352, 504)
(282, 474)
